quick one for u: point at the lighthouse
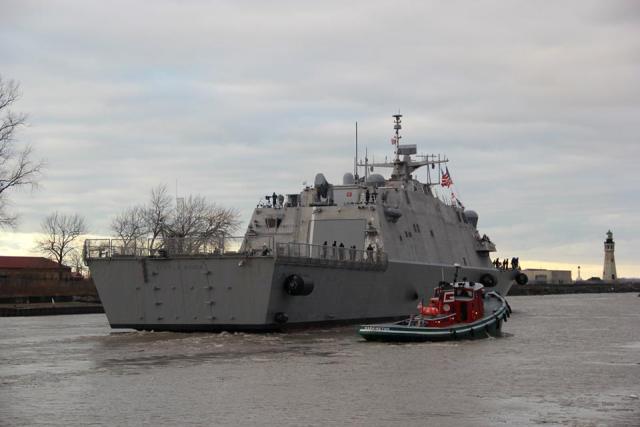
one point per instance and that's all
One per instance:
(609, 272)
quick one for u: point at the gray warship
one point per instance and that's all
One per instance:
(366, 250)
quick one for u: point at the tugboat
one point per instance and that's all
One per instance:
(457, 310)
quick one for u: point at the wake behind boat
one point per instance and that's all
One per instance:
(459, 310)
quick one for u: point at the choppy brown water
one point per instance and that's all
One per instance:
(564, 360)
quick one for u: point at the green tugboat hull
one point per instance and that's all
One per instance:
(490, 325)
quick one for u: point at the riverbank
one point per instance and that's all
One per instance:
(574, 288)
(49, 309)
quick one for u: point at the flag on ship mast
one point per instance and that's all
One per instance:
(394, 140)
(446, 180)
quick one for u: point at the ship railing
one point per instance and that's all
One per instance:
(327, 254)
(174, 246)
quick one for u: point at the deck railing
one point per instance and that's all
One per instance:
(330, 255)
(297, 253)
(176, 246)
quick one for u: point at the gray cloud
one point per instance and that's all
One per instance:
(536, 105)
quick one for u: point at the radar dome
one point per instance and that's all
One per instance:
(472, 217)
(376, 179)
(348, 178)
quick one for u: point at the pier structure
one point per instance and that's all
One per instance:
(609, 270)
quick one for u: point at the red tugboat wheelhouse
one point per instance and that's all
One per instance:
(457, 310)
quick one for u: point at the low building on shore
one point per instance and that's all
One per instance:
(548, 277)
(34, 279)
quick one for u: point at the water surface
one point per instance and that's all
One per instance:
(564, 360)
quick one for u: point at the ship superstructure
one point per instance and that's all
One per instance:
(366, 249)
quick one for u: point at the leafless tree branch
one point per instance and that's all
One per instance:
(130, 225)
(193, 217)
(60, 233)
(156, 213)
(17, 168)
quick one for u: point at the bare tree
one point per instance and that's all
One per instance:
(60, 233)
(76, 261)
(130, 226)
(200, 220)
(17, 169)
(156, 213)
(193, 223)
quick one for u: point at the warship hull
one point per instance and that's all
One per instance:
(393, 239)
(248, 293)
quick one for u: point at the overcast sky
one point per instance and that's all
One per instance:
(537, 105)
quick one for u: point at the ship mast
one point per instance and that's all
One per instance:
(405, 166)
(397, 126)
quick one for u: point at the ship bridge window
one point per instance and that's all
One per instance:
(273, 222)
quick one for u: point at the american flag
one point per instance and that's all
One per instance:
(446, 180)
(394, 140)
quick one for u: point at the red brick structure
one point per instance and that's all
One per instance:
(35, 278)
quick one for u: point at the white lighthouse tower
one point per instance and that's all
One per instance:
(609, 272)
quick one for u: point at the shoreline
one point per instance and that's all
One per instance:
(77, 307)
(49, 309)
(574, 288)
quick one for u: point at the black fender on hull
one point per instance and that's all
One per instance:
(488, 280)
(281, 318)
(296, 285)
(521, 279)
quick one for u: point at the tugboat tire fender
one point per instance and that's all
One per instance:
(488, 280)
